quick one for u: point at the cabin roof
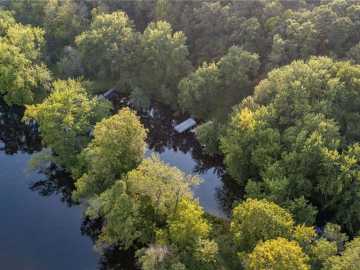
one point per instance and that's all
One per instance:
(183, 126)
(109, 93)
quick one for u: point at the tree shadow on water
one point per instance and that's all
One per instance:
(112, 257)
(56, 182)
(15, 135)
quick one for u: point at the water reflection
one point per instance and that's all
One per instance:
(185, 152)
(112, 258)
(216, 194)
(160, 121)
(55, 182)
(14, 135)
(229, 194)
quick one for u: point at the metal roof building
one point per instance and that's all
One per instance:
(183, 126)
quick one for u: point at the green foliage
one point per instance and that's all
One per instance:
(30, 40)
(303, 211)
(28, 11)
(332, 232)
(296, 37)
(118, 146)
(320, 251)
(161, 9)
(65, 119)
(69, 65)
(206, 252)
(157, 257)
(126, 220)
(139, 99)
(219, 86)
(162, 59)
(6, 20)
(208, 19)
(139, 204)
(188, 225)
(107, 47)
(21, 82)
(23, 78)
(188, 233)
(259, 220)
(199, 88)
(348, 260)
(63, 20)
(295, 142)
(140, 11)
(354, 54)
(163, 186)
(304, 236)
(208, 135)
(153, 204)
(249, 144)
(277, 254)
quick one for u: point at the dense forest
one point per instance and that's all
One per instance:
(275, 85)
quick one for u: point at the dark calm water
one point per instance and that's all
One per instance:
(40, 227)
(37, 232)
(207, 190)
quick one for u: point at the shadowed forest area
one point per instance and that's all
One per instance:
(269, 179)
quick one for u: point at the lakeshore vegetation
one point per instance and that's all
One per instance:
(275, 85)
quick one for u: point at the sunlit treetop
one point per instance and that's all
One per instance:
(65, 119)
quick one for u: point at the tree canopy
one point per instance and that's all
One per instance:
(66, 118)
(277, 254)
(118, 146)
(107, 47)
(162, 62)
(219, 86)
(297, 138)
(24, 79)
(274, 86)
(349, 259)
(254, 221)
(141, 202)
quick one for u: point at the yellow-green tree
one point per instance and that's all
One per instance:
(188, 226)
(140, 203)
(259, 220)
(24, 79)
(277, 254)
(118, 146)
(320, 251)
(66, 118)
(296, 140)
(348, 260)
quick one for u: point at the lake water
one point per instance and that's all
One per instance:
(41, 229)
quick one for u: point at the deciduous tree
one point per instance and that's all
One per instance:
(348, 260)
(118, 146)
(219, 86)
(66, 118)
(162, 62)
(296, 140)
(24, 79)
(139, 204)
(277, 254)
(107, 48)
(259, 220)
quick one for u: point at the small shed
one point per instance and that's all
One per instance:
(109, 94)
(186, 125)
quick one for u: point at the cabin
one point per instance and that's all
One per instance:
(186, 125)
(110, 94)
